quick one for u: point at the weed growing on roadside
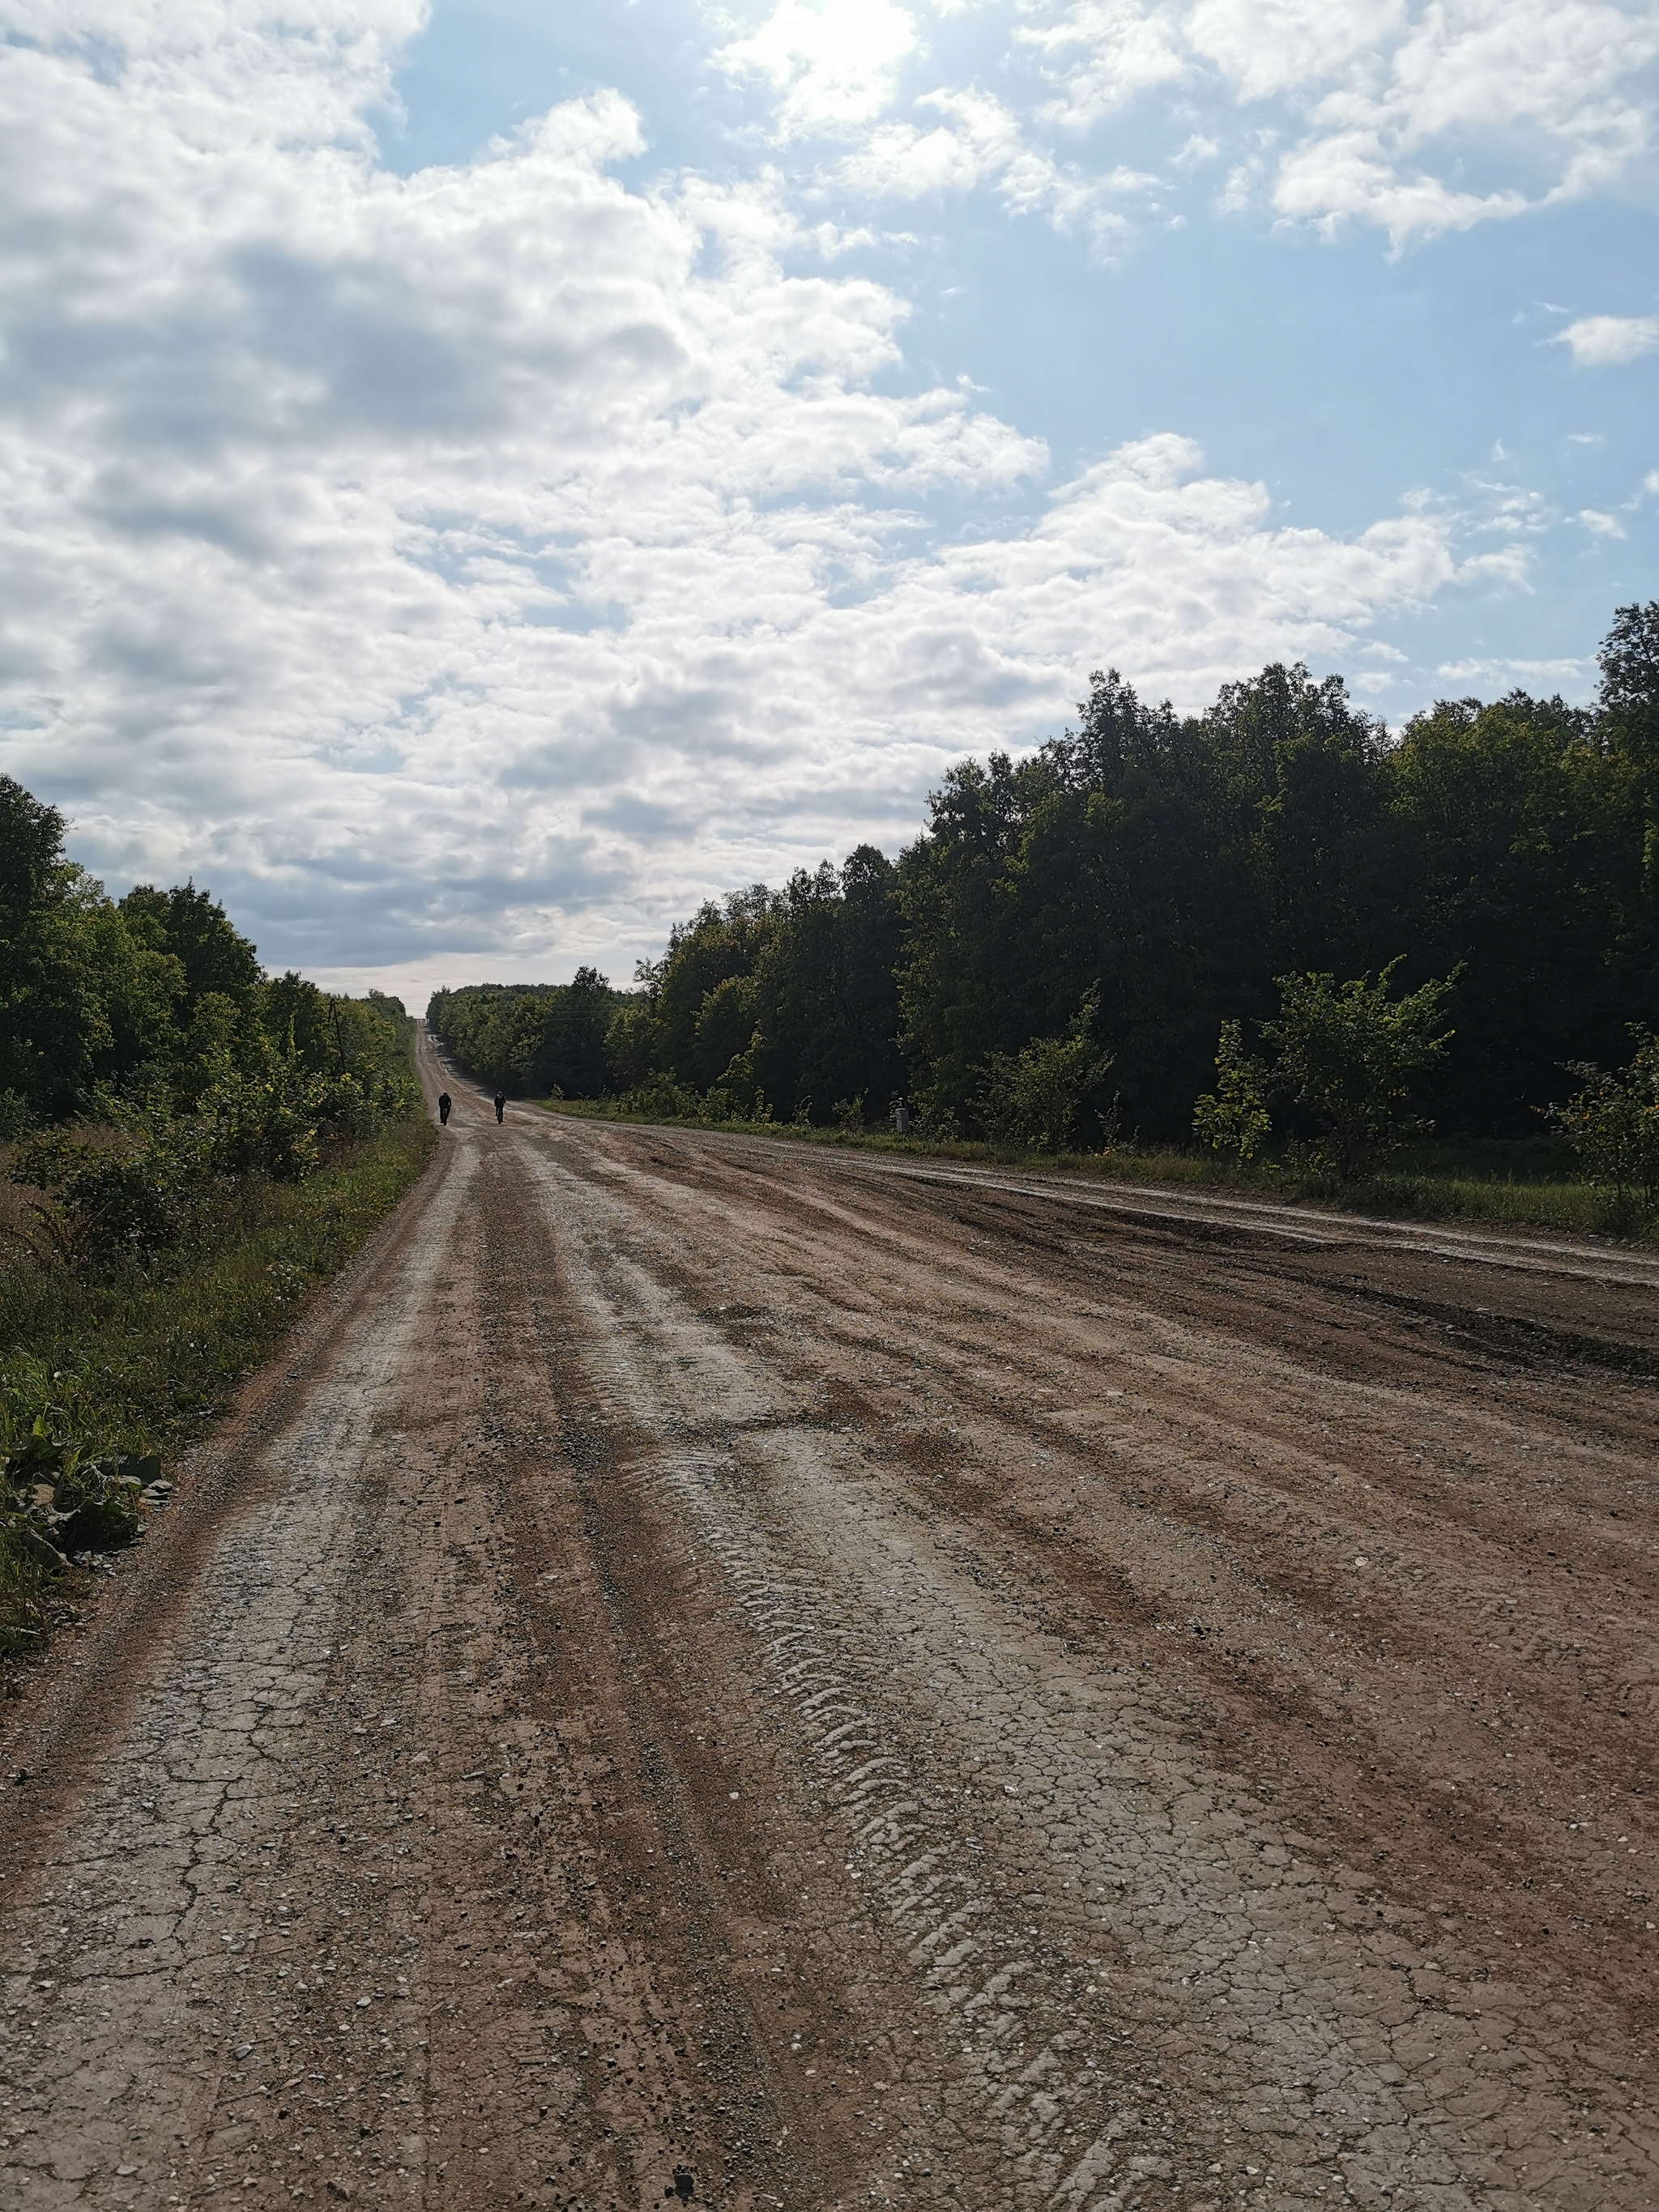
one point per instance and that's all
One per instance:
(142, 1355)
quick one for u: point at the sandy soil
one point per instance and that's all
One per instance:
(716, 1670)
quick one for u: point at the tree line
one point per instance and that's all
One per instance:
(1107, 932)
(165, 1106)
(145, 1055)
(533, 1037)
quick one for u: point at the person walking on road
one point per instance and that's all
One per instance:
(443, 1109)
(500, 1104)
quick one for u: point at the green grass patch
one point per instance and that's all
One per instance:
(1527, 1184)
(144, 1358)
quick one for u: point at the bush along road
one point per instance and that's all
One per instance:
(712, 1670)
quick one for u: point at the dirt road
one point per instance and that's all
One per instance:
(713, 1670)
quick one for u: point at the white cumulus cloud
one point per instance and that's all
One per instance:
(1391, 102)
(469, 570)
(1104, 53)
(831, 63)
(979, 141)
(1609, 341)
(1418, 117)
(1534, 674)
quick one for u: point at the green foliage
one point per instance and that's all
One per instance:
(849, 1114)
(724, 1028)
(113, 1192)
(1519, 857)
(1033, 1098)
(357, 1050)
(740, 1085)
(573, 1052)
(1612, 1123)
(160, 994)
(1172, 867)
(195, 930)
(720, 945)
(775, 996)
(166, 1110)
(1347, 1056)
(660, 1098)
(826, 1002)
(932, 1118)
(55, 1501)
(132, 1356)
(1628, 704)
(72, 982)
(1233, 1119)
(1179, 865)
(630, 1045)
(130, 1181)
(533, 1037)
(1166, 866)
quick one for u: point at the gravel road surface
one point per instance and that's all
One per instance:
(717, 1671)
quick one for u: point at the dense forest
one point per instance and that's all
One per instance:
(1146, 889)
(146, 1057)
(535, 1037)
(156, 995)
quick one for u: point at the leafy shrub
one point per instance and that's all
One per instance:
(724, 1028)
(660, 1098)
(932, 1116)
(55, 1501)
(113, 1192)
(530, 1037)
(132, 1182)
(266, 1123)
(1232, 1118)
(1034, 1097)
(1347, 1054)
(630, 1045)
(1613, 1125)
(738, 1084)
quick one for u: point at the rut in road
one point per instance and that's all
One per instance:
(709, 1666)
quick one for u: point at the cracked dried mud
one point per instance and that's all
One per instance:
(797, 1678)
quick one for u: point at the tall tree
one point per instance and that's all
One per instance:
(196, 930)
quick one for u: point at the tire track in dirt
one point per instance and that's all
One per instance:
(1478, 2061)
(1277, 1514)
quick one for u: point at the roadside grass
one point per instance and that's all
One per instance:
(147, 1358)
(1525, 1183)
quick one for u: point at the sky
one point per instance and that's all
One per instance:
(479, 477)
